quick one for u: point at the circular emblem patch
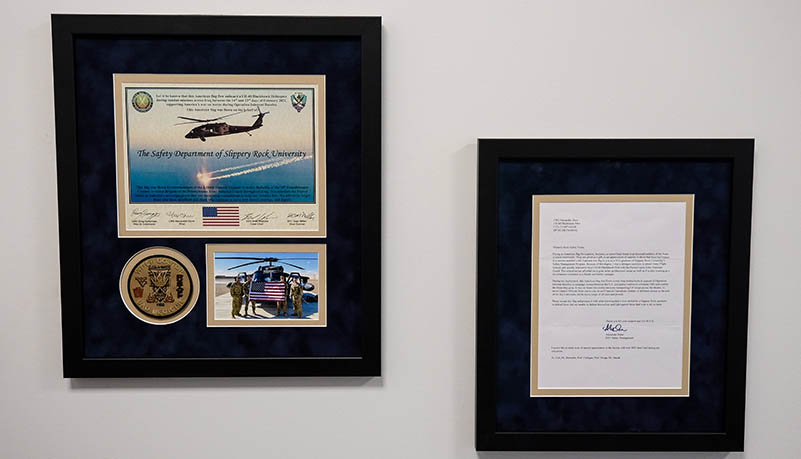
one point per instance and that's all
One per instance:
(142, 101)
(159, 285)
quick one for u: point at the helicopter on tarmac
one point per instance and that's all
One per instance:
(211, 129)
(268, 283)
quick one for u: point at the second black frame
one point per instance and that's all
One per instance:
(492, 152)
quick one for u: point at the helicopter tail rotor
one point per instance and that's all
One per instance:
(258, 123)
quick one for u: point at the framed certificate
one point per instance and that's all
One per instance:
(219, 195)
(220, 155)
(612, 294)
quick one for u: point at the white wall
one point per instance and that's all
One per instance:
(452, 73)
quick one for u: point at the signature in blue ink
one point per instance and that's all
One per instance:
(614, 328)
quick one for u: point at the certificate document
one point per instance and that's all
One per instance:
(611, 284)
(220, 155)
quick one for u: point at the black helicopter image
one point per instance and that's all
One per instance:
(265, 280)
(211, 129)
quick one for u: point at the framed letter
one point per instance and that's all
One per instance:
(612, 297)
(611, 283)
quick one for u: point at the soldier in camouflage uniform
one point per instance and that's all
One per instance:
(247, 296)
(296, 293)
(282, 307)
(237, 292)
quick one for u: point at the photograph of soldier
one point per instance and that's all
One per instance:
(237, 292)
(247, 296)
(282, 305)
(296, 294)
(271, 286)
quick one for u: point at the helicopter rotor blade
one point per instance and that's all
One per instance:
(240, 258)
(226, 116)
(264, 260)
(196, 120)
(290, 264)
(244, 264)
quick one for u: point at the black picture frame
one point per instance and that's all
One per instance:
(491, 152)
(65, 30)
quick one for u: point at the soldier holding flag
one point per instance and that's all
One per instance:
(247, 295)
(282, 305)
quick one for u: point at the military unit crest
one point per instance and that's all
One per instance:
(142, 101)
(298, 101)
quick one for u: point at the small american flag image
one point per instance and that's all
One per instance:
(221, 216)
(267, 291)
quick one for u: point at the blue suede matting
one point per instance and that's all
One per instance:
(703, 411)
(111, 331)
